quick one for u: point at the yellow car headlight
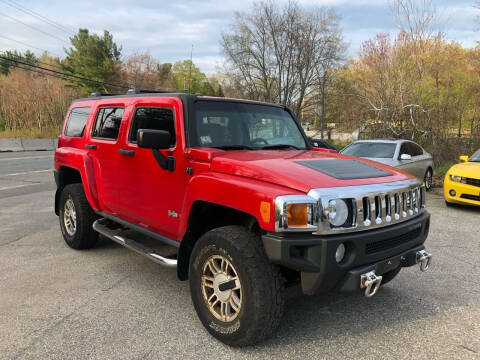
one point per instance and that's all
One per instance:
(459, 179)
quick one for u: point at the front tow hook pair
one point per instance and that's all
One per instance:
(371, 282)
(424, 258)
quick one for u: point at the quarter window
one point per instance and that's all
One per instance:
(154, 118)
(76, 122)
(107, 123)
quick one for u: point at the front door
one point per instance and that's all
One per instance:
(148, 195)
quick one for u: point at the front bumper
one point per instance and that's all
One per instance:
(381, 250)
(464, 193)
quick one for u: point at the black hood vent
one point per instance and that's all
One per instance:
(345, 169)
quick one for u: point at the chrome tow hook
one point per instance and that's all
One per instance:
(424, 258)
(371, 282)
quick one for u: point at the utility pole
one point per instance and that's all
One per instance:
(190, 71)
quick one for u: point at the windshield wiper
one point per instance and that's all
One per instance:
(233, 147)
(280, 146)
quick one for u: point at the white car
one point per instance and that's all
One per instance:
(403, 154)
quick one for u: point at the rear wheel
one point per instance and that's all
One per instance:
(428, 179)
(236, 291)
(76, 218)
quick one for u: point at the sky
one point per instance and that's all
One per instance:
(168, 29)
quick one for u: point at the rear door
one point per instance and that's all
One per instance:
(103, 144)
(420, 160)
(148, 195)
(406, 165)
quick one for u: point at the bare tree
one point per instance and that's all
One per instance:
(278, 54)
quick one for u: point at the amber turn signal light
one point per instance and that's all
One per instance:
(265, 211)
(297, 215)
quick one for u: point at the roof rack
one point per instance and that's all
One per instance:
(146, 91)
(98, 94)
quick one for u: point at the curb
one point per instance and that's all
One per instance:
(27, 144)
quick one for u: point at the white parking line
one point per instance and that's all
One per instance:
(15, 187)
(27, 172)
(27, 157)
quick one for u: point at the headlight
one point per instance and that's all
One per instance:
(295, 213)
(459, 179)
(337, 212)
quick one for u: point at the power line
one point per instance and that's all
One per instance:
(34, 28)
(24, 44)
(38, 16)
(63, 74)
(39, 72)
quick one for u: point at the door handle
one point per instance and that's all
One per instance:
(91, 146)
(126, 152)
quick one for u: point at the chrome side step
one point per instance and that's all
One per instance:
(113, 234)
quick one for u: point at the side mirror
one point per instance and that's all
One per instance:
(153, 139)
(405, 157)
(463, 158)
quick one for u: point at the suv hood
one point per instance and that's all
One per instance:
(295, 169)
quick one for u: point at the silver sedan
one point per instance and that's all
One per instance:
(403, 154)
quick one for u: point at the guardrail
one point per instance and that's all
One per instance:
(27, 144)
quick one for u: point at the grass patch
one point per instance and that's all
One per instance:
(50, 133)
(441, 169)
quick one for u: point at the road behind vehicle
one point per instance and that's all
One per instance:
(235, 186)
(405, 155)
(461, 184)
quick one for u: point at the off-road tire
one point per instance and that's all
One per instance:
(389, 276)
(261, 284)
(84, 237)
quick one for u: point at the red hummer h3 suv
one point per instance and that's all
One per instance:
(237, 189)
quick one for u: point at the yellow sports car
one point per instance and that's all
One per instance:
(462, 181)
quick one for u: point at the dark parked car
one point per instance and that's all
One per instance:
(320, 143)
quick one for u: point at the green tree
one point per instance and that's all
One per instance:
(93, 57)
(190, 79)
(5, 65)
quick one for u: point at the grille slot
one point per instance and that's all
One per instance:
(470, 197)
(390, 243)
(388, 206)
(473, 182)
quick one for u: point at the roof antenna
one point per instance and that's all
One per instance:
(190, 71)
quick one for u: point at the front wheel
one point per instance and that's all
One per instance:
(236, 291)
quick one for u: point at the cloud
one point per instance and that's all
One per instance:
(168, 29)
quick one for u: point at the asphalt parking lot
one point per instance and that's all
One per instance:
(109, 303)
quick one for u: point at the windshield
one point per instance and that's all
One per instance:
(475, 157)
(373, 150)
(234, 125)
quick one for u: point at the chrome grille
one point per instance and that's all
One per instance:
(387, 208)
(376, 205)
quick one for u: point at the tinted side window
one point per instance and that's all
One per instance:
(155, 119)
(415, 149)
(76, 122)
(107, 123)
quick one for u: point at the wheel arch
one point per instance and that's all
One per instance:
(67, 175)
(205, 216)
